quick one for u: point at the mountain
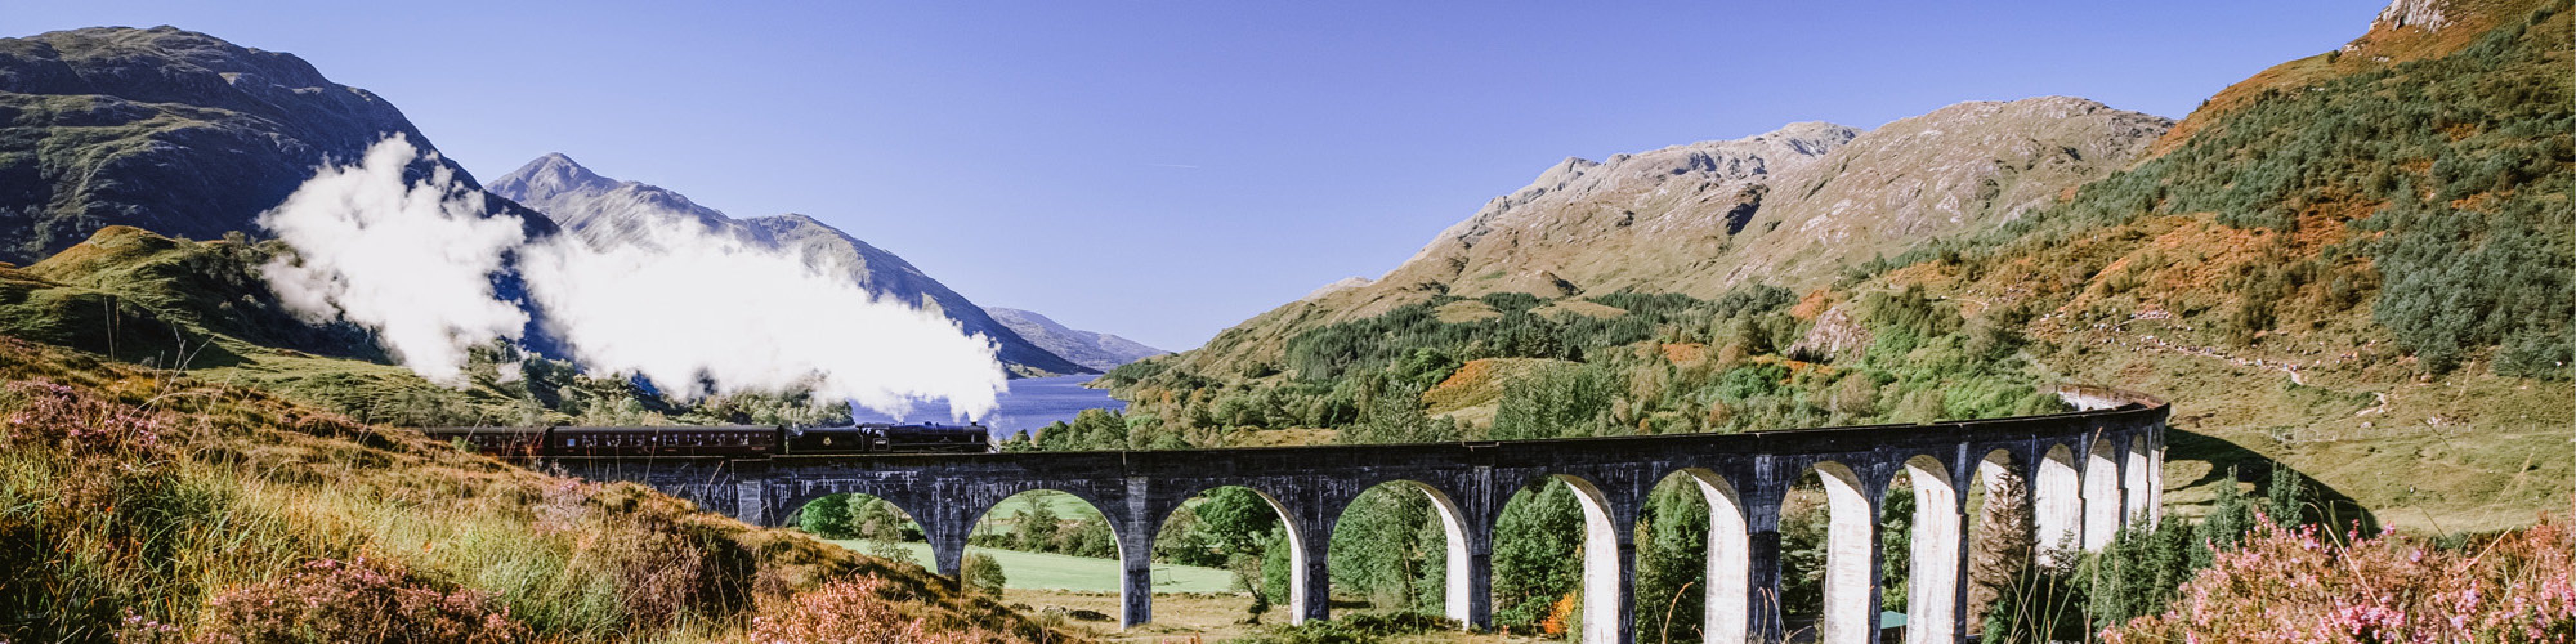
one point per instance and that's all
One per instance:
(171, 131)
(1100, 351)
(1792, 207)
(607, 211)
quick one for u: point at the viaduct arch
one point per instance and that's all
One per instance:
(2089, 471)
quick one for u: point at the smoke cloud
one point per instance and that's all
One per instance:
(688, 308)
(414, 262)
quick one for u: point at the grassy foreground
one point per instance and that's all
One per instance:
(143, 505)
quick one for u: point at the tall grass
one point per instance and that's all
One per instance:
(139, 506)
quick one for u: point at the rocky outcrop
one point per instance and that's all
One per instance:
(604, 211)
(1092, 349)
(171, 131)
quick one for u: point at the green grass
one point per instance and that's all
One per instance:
(1044, 571)
(1065, 505)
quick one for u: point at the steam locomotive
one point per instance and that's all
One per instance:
(736, 441)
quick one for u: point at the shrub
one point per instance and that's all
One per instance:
(983, 573)
(361, 601)
(827, 517)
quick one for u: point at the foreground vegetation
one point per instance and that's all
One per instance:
(143, 504)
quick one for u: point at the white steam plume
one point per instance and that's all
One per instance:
(680, 305)
(414, 262)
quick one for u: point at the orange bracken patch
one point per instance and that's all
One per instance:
(1813, 304)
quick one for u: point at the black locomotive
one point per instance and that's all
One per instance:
(721, 440)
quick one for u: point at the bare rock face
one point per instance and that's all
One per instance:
(1834, 334)
(605, 211)
(1790, 208)
(2423, 14)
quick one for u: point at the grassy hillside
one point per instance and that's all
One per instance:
(186, 504)
(2366, 276)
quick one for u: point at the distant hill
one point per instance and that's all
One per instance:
(171, 131)
(1092, 349)
(607, 211)
(1792, 207)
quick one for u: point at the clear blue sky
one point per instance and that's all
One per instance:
(1163, 170)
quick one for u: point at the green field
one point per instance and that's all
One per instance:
(1066, 572)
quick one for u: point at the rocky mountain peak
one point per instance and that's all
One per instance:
(554, 173)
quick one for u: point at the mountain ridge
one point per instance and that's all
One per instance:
(176, 132)
(604, 211)
(1788, 207)
(1092, 349)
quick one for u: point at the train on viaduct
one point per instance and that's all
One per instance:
(2088, 473)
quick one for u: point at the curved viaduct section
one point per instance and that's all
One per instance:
(2088, 472)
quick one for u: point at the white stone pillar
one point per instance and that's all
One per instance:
(1458, 600)
(2057, 502)
(2137, 482)
(2156, 482)
(1849, 615)
(1727, 611)
(1601, 562)
(2101, 495)
(1932, 582)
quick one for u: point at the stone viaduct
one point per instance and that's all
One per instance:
(2089, 472)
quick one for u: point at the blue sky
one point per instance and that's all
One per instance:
(1163, 170)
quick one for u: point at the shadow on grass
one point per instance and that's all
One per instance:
(2325, 504)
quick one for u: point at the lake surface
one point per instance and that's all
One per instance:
(1030, 404)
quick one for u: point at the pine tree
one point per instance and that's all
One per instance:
(2003, 546)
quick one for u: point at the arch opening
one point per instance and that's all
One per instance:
(2002, 540)
(1556, 562)
(1235, 553)
(1048, 547)
(1399, 546)
(1694, 561)
(864, 523)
